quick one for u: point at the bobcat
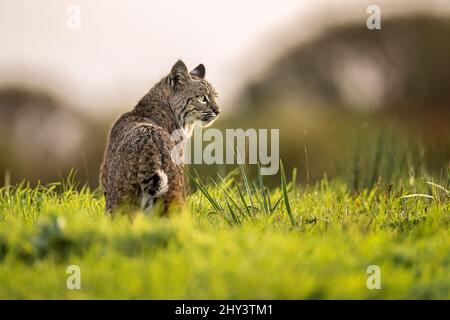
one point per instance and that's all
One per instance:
(138, 170)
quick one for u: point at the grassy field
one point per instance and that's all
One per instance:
(237, 239)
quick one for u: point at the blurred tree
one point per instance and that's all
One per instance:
(403, 67)
(43, 139)
(348, 87)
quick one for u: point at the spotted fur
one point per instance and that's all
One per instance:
(138, 170)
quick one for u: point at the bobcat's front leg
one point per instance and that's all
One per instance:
(175, 197)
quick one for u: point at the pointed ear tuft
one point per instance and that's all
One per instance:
(198, 72)
(178, 74)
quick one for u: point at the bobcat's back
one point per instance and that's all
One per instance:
(138, 170)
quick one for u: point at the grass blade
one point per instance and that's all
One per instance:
(285, 195)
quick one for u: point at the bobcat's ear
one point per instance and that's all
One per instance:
(179, 74)
(198, 72)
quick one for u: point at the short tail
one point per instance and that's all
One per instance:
(153, 187)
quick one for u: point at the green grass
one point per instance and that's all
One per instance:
(237, 239)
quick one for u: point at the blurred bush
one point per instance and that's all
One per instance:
(42, 139)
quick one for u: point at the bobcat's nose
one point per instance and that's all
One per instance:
(215, 109)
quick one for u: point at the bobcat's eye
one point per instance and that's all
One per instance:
(203, 99)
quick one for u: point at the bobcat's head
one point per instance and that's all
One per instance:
(190, 96)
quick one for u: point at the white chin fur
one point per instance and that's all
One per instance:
(208, 123)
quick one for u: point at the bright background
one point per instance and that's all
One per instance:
(311, 68)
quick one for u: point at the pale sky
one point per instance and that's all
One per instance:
(123, 47)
